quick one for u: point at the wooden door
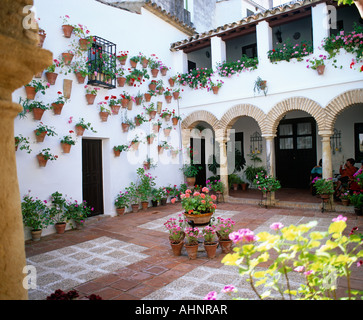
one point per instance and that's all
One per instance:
(295, 147)
(198, 146)
(92, 174)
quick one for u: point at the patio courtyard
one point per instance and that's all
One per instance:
(129, 257)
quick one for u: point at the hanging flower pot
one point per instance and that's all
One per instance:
(80, 78)
(80, 130)
(133, 63)
(176, 95)
(104, 116)
(41, 160)
(138, 100)
(150, 139)
(38, 113)
(124, 103)
(125, 127)
(135, 145)
(30, 92)
(152, 114)
(57, 108)
(115, 109)
(67, 30)
(40, 136)
(154, 72)
(320, 69)
(66, 147)
(152, 86)
(117, 152)
(90, 98)
(144, 62)
(215, 89)
(174, 121)
(171, 82)
(147, 97)
(167, 132)
(163, 71)
(83, 44)
(168, 99)
(156, 128)
(129, 105)
(121, 81)
(160, 149)
(51, 77)
(67, 58)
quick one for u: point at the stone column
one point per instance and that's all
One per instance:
(20, 59)
(223, 161)
(186, 134)
(264, 41)
(327, 160)
(320, 23)
(218, 48)
(270, 160)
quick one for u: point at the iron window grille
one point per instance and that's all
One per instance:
(102, 63)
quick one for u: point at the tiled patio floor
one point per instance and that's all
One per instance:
(129, 257)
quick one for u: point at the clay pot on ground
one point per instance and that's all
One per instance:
(226, 245)
(60, 227)
(51, 77)
(135, 208)
(192, 251)
(67, 30)
(120, 211)
(190, 181)
(144, 205)
(211, 249)
(177, 248)
(90, 98)
(36, 234)
(57, 108)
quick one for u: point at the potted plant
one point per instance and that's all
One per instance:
(266, 184)
(356, 200)
(175, 118)
(104, 111)
(148, 164)
(58, 212)
(157, 126)
(91, 93)
(167, 131)
(166, 114)
(224, 228)
(163, 195)
(216, 185)
(83, 35)
(167, 95)
(234, 180)
(175, 228)
(198, 207)
(260, 85)
(138, 98)
(215, 86)
(67, 27)
(114, 104)
(35, 215)
(57, 105)
(50, 73)
(140, 119)
(36, 107)
(252, 170)
(135, 143)
(45, 155)
(150, 110)
(163, 145)
(317, 64)
(133, 194)
(81, 126)
(163, 69)
(78, 212)
(324, 187)
(122, 57)
(144, 186)
(121, 202)
(191, 235)
(154, 66)
(155, 197)
(42, 130)
(80, 70)
(345, 198)
(67, 142)
(134, 60)
(35, 86)
(210, 240)
(22, 143)
(190, 172)
(118, 149)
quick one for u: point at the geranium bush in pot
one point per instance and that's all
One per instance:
(78, 212)
(224, 228)
(175, 228)
(59, 212)
(324, 187)
(210, 240)
(190, 171)
(122, 201)
(35, 215)
(266, 184)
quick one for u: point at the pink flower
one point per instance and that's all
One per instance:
(205, 189)
(340, 218)
(229, 289)
(211, 296)
(359, 263)
(299, 269)
(308, 272)
(173, 200)
(242, 235)
(276, 226)
(213, 197)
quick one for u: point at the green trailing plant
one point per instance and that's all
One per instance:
(39, 85)
(287, 51)
(84, 125)
(121, 148)
(47, 155)
(227, 69)
(22, 143)
(35, 213)
(196, 78)
(29, 105)
(320, 257)
(44, 128)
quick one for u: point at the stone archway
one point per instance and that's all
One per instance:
(198, 116)
(274, 116)
(339, 104)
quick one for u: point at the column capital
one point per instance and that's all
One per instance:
(269, 136)
(325, 133)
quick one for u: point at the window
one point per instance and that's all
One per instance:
(102, 63)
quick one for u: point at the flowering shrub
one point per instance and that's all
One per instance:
(323, 186)
(321, 257)
(224, 227)
(35, 213)
(78, 211)
(198, 203)
(287, 51)
(122, 200)
(215, 185)
(356, 199)
(227, 69)
(192, 235)
(266, 183)
(196, 78)
(209, 234)
(176, 229)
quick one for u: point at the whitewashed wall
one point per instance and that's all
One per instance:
(144, 33)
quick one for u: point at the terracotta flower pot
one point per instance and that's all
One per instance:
(226, 245)
(115, 109)
(154, 72)
(67, 30)
(90, 98)
(51, 77)
(135, 145)
(325, 197)
(135, 207)
(67, 57)
(138, 100)
(160, 149)
(168, 99)
(175, 121)
(60, 227)
(345, 202)
(177, 248)
(147, 97)
(320, 69)
(80, 130)
(144, 205)
(150, 140)
(36, 234)
(176, 95)
(211, 249)
(192, 251)
(120, 211)
(215, 89)
(198, 219)
(125, 127)
(156, 128)
(133, 63)
(124, 103)
(40, 137)
(131, 82)
(66, 147)
(152, 114)
(146, 165)
(190, 181)
(104, 116)
(121, 81)
(41, 160)
(38, 113)
(117, 152)
(167, 132)
(167, 118)
(30, 92)
(163, 72)
(144, 63)
(83, 44)
(57, 108)
(171, 82)
(80, 78)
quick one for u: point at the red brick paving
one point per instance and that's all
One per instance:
(144, 277)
